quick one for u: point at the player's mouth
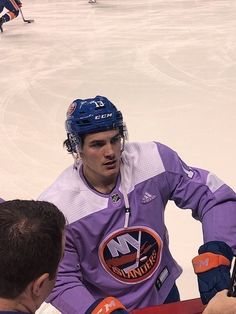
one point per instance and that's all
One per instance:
(110, 164)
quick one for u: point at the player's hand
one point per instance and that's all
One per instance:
(109, 305)
(221, 304)
(212, 267)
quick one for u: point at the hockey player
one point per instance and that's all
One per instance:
(31, 246)
(114, 197)
(13, 10)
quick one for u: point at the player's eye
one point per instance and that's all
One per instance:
(97, 144)
(116, 139)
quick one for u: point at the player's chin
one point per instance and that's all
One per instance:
(112, 170)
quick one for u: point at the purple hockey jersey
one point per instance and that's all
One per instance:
(134, 264)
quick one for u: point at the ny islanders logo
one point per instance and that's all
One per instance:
(71, 109)
(131, 255)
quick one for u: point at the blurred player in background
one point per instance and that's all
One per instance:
(114, 197)
(13, 10)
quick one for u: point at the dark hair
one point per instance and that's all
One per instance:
(69, 146)
(30, 243)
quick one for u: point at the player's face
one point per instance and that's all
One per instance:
(101, 155)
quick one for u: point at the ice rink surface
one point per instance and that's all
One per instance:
(170, 66)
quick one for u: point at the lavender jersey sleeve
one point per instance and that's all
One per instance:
(210, 199)
(70, 295)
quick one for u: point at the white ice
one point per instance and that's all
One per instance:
(169, 65)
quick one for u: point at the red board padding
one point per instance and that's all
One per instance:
(193, 306)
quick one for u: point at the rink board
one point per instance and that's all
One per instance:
(193, 306)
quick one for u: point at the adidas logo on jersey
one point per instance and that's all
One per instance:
(147, 197)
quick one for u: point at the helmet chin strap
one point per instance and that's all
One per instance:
(124, 192)
(123, 144)
(76, 157)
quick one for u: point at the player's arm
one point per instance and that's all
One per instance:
(210, 199)
(214, 204)
(69, 294)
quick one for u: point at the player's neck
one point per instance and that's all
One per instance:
(101, 184)
(14, 305)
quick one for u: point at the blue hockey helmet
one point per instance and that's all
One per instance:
(92, 115)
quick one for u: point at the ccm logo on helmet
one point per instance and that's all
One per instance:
(103, 116)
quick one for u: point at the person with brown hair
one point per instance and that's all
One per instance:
(31, 247)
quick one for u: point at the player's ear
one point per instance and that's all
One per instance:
(39, 283)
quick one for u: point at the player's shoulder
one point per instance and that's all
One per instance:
(144, 150)
(64, 182)
(137, 147)
(143, 157)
